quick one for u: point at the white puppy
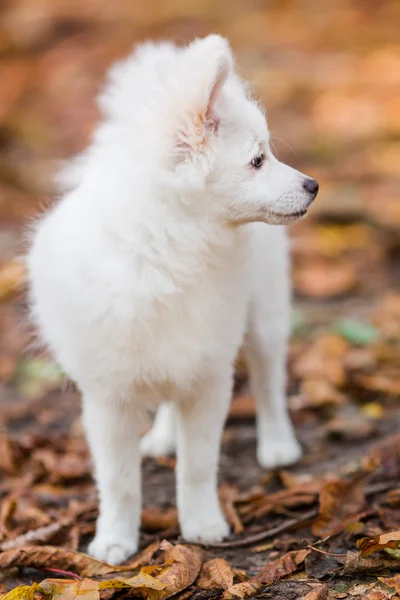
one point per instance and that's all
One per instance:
(150, 272)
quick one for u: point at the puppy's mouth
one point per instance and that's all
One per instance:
(286, 218)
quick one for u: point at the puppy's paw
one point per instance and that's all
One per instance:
(110, 550)
(154, 444)
(275, 454)
(205, 529)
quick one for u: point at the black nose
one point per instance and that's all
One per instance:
(311, 186)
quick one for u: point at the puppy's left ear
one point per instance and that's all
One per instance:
(208, 64)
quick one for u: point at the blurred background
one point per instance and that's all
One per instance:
(329, 75)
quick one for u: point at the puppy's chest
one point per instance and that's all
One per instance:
(202, 319)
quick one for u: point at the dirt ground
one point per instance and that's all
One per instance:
(329, 74)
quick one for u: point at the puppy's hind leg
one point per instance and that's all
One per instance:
(161, 439)
(112, 431)
(266, 350)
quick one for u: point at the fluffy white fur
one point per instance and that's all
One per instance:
(150, 272)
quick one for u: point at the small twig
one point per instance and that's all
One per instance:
(62, 572)
(263, 535)
(324, 551)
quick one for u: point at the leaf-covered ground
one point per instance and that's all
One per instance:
(328, 528)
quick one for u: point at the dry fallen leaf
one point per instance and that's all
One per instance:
(40, 557)
(285, 565)
(340, 501)
(321, 279)
(156, 519)
(355, 563)
(392, 582)
(216, 574)
(184, 567)
(228, 495)
(62, 589)
(368, 546)
(144, 557)
(242, 589)
(34, 536)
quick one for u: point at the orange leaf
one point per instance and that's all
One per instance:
(368, 546)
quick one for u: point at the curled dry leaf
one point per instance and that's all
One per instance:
(216, 574)
(7, 510)
(355, 563)
(340, 501)
(368, 546)
(228, 496)
(185, 564)
(285, 565)
(40, 557)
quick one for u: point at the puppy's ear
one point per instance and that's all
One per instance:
(208, 63)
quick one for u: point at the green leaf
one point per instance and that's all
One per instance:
(356, 332)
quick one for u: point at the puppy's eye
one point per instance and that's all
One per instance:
(258, 160)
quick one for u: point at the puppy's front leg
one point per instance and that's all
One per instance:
(200, 422)
(113, 435)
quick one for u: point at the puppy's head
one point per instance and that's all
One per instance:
(221, 142)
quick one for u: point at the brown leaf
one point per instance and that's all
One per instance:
(392, 582)
(323, 278)
(155, 519)
(228, 496)
(183, 570)
(316, 393)
(320, 592)
(285, 565)
(323, 359)
(340, 501)
(41, 557)
(7, 454)
(216, 574)
(242, 589)
(384, 457)
(7, 509)
(368, 546)
(143, 557)
(355, 563)
(35, 536)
